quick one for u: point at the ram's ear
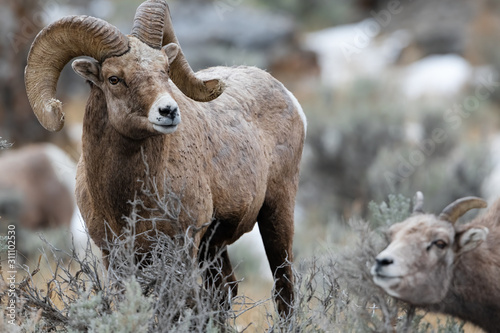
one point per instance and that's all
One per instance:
(171, 50)
(88, 69)
(470, 239)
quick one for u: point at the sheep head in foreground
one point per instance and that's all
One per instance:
(440, 265)
(234, 157)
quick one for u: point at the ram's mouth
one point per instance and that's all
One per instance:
(382, 277)
(165, 129)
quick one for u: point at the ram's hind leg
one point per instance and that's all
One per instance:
(276, 228)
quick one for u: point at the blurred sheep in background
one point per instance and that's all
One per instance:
(37, 184)
(39, 178)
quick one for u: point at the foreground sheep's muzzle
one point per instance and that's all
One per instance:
(379, 266)
(385, 274)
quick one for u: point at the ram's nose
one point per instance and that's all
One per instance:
(165, 111)
(170, 111)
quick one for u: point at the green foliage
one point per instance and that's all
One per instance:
(132, 314)
(30, 323)
(365, 142)
(451, 325)
(84, 312)
(444, 178)
(384, 215)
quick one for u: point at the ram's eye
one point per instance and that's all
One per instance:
(114, 80)
(441, 244)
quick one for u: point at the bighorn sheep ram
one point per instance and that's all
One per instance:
(235, 155)
(446, 267)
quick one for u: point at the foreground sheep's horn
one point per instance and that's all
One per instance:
(153, 26)
(457, 208)
(53, 47)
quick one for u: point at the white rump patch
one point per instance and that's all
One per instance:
(299, 108)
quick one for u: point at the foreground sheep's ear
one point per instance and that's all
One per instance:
(88, 69)
(471, 238)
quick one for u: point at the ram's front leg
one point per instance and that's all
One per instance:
(219, 275)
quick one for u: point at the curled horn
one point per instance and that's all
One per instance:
(53, 48)
(153, 26)
(149, 21)
(453, 211)
(418, 203)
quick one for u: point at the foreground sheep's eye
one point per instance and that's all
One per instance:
(165, 73)
(441, 244)
(114, 80)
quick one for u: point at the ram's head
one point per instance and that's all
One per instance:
(132, 71)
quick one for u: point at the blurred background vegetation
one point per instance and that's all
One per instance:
(400, 96)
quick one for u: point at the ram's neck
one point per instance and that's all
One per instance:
(114, 165)
(474, 293)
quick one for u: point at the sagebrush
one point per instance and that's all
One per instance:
(163, 292)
